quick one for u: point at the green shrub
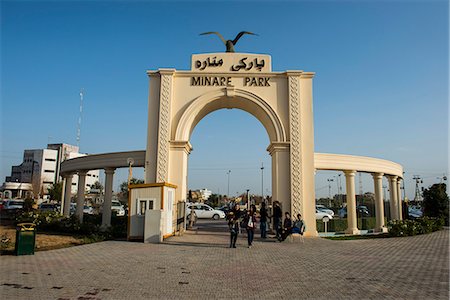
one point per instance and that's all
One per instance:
(90, 228)
(414, 227)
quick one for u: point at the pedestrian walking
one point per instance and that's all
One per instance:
(277, 215)
(233, 224)
(263, 220)
(250, 224)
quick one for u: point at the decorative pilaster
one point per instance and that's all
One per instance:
(295, 146)
(164, 125)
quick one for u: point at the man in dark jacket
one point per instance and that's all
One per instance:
(287, 227)
(277, 215)
(263, 220)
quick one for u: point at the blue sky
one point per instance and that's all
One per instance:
(381, 85)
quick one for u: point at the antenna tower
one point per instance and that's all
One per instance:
(79, 119)
(417, 194)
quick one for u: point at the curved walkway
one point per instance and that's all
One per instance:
(201, 266)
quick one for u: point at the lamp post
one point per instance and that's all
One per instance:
(262, 182)
(248, 201)
(329, 190)
(228, 173)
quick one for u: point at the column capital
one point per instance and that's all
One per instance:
(82, 172)
(349, 173)
(67, 175)
(278, 147)
(181, 145)
(110, 170)
(377, 175)
(392, 178)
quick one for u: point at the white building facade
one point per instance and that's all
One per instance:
(39, 170)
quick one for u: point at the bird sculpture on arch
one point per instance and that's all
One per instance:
(229, 43)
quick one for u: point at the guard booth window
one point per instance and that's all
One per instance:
(143, 205)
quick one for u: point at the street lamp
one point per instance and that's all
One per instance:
(228, 173)
(262, 182)
(248, 202)
(329, 191)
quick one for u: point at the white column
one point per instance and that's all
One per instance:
(80, 195)
(379, 204)
(399, 202)
(106, 215)
(67, 194)
(352, 225)
(393, 201)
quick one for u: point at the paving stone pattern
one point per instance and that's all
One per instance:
(199, 265)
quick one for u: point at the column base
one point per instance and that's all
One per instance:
(381, 229)
(311, 233)
(354, 231)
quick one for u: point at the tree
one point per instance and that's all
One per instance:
(55, 191)
(123, 195)
(435, 201)
(97, 186)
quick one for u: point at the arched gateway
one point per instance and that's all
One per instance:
(281, 101)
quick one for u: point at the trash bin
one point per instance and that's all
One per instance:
(25, 239)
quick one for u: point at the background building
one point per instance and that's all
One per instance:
(40, 169)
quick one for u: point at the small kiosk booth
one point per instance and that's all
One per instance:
(153, 213)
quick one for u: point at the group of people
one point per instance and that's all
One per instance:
(238, 219)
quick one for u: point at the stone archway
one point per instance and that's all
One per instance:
(281, 101)
(255, 106)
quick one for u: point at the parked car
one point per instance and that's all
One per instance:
(11, 208)
(12, 204)
(204, 211)
(224, 208)
(88, 210)
(414, 212)
(360, 210)
(321, 215)
(324, 209)
(48, 207)
(118, 208)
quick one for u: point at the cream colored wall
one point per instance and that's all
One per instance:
(269, 101)
(136, 229)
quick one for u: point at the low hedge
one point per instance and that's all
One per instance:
(414, 227)
(56, 223)
(337, 225)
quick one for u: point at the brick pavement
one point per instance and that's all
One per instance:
(200, 265)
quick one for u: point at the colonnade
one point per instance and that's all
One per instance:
(395, 200)
(107, 202)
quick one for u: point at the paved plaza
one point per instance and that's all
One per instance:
(199, 264)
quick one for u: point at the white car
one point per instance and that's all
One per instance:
(88, 210)
(204, 211)
(118, 208)
(321, 215)
(324, 209)
(12, 204)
